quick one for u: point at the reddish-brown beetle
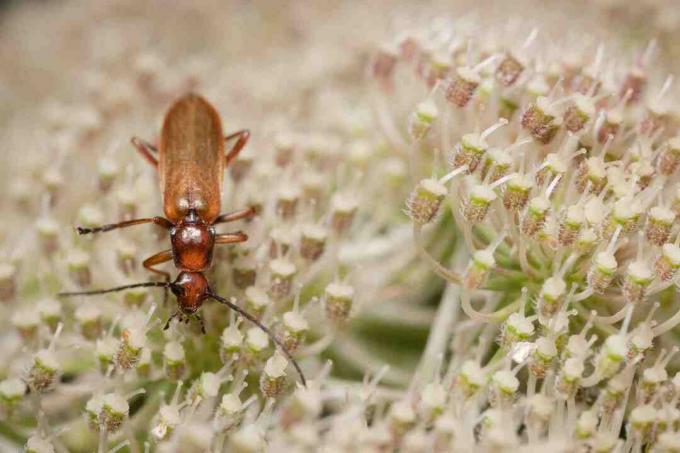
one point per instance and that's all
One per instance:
(190, 160)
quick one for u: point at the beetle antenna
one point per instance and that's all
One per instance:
(117, 288)
(255, 321)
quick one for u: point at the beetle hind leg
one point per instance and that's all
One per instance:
(243, 137)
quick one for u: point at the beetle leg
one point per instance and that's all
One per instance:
(172, 316)
(200, 321)
(154, 260)
(243, 136)
(235, 215)
(231, 238)
(145, 149)
(160, 221)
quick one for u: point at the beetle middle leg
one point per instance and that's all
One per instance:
(155, 260)
(243, 136)
(146, 149)
(236, 215)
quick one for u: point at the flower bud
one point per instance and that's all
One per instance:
(499, 161)
(482, 261)
(78, 264)
(48, 234)
(670, 158)
(7, 281)
(37, 444)
(312, 241)
(542, 357)
(638, 277)
(256, 341)
(553, 165)
(248, 439)
(284, 145)
(502, 389)
(462, 86)
(105, 351)
(586, 425)
(593, 171)
(586, 242)
(612, 354)
(579, 114)
(273, 377)
(433, 401)
(611, 125)
(668, 263)
(227, 412)
(469, 152)
(420, 121)
(294, 330)
(478, 202)
(602, 272)
(281, 240)
(166, 421)
(231, 342)
(50, 312)
(243, 273)
(659, 223)
(509, 70)
(343, 209)
(127, 199)
(43, 372)
(256, 301)
(338, 301)
(515, 329)
(517, 192)
(282, 272)
(569, 377)
(641, 421)
(174, 360)
(11, 393)
(625, 214)
(540, 408)
(107, 170)
(424, 202)
(88, 317)
(287, 201)
(571, 224)
(541, 121)
(130, 348)
(470, 379)
(113, 412)
(205, 387)
(144, 363)
(551, 297)
(383, 64)
(604, 442)
(535, 215)
(402, 418)
(26, 321)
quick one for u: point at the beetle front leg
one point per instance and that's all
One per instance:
(154, 260)
(231, 238)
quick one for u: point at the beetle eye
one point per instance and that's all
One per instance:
(177, 290)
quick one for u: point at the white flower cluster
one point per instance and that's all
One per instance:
(559, 173)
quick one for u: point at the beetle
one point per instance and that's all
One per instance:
(190, 160)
